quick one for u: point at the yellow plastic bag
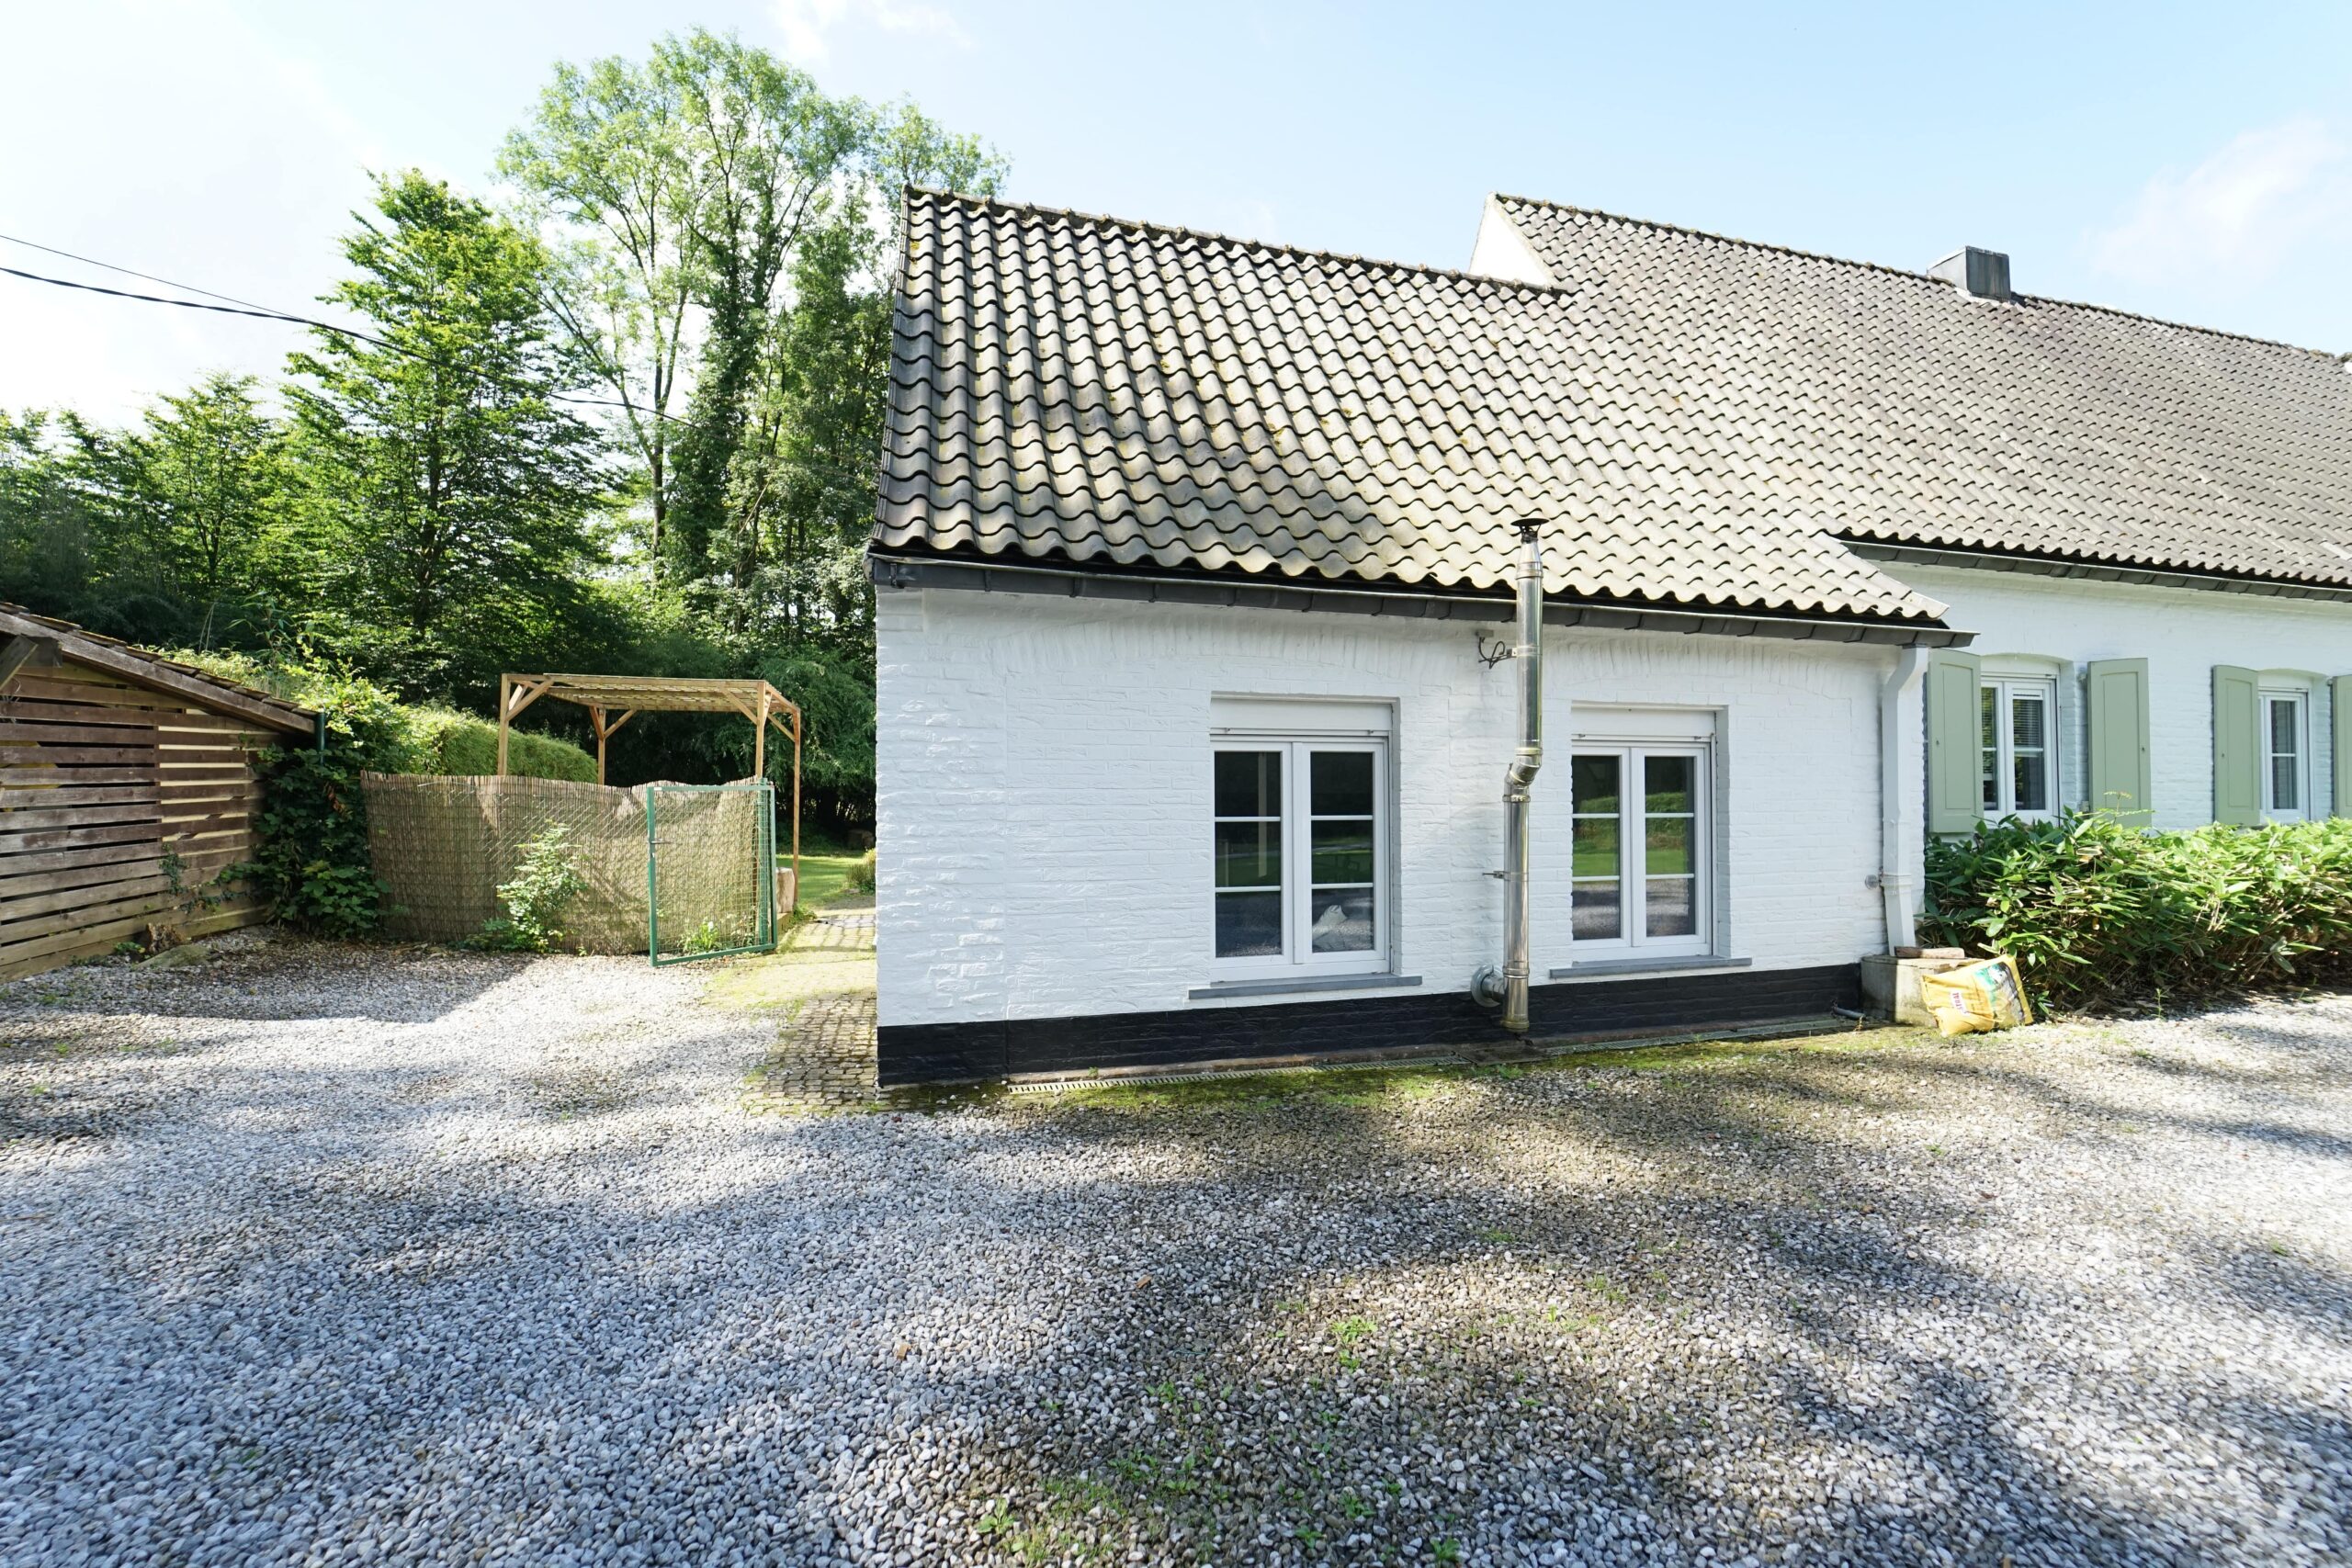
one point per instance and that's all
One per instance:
(1977, 997)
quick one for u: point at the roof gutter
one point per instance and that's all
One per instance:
(2047, 566)
(893, 571)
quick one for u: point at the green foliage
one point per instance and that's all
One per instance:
(861, 872)
(2096, 911)
(310, 858)
(837, 719)
(718, 209)
(546, 879)
(460, 485)
(697, 278)
(443, 741)
(414, 738)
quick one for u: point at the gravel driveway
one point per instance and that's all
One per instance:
(311, 1254)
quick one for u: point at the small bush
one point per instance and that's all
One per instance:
(861, 873)
(2096, 911)
(546, 879)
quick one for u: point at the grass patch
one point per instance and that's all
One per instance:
(1379, 1087)
(823, 876)
(782, 981)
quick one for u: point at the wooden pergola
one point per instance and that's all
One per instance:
(613, 700)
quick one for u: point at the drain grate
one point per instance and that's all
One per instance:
(1057, 1086)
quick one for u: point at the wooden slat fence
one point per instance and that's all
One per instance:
(119, 808)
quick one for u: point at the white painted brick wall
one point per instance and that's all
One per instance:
(1044, 794)
(2182, 633)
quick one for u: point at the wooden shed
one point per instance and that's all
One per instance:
(127, 787)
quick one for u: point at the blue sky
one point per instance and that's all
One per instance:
(2194, 163)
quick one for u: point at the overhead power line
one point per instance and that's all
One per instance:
(234, 306)
(130, 272)
(246, 308)
(199, 305)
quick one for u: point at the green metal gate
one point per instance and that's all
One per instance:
(709, 869)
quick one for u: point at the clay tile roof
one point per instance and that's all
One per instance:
(1886, 405)
(1098, 391)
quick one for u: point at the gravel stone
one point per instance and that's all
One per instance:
(316, 1254)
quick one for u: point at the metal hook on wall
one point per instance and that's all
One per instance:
(1490, 656)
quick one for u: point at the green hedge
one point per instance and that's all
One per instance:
(2096, 911)
(448, 742)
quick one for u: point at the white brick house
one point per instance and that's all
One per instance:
(1188, 550)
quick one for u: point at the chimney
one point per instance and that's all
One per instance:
(1984, 273)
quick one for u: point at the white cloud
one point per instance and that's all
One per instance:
(806, 23)
(2257, 204)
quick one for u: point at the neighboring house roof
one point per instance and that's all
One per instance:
(1886, 405)
(154, 671)
(1105, 392)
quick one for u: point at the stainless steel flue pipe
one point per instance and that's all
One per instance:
(1508, 986)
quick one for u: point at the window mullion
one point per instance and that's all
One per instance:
(1294, 863)
(2005, 748)
(1632, 830)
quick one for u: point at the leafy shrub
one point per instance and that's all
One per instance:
(2096, 911)
(311, 857)
(546, 879)
(861, 872)
(450, 742)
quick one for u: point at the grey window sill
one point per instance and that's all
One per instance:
(1283, 988)
(1593, 969)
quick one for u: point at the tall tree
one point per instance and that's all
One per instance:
(55, 516)
(688, 188)
(459, 483)
(773, 157)
(801, 495)
(606, 160)
(209, 485)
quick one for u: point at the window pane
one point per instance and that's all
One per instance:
(2032, 781)
(1669, 907)
(1595, 913)
(1341, 784)
(1342, 921)
(2029, 721)
(1669, 782)
(1249, 854)
(2283, 737)
(1668, 849)
(1248, 925)
(1596, 846)
(1594, 785)
(1249, 783)
(2286, 792)
(1342, 852)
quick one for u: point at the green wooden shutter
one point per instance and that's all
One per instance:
(2237, 746)
(1955, 739)
(2117, 690)
(2339, 710)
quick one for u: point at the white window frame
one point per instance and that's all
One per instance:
(2301, 699)
(2006, 689)
(1298, 958)
(1633, 938)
